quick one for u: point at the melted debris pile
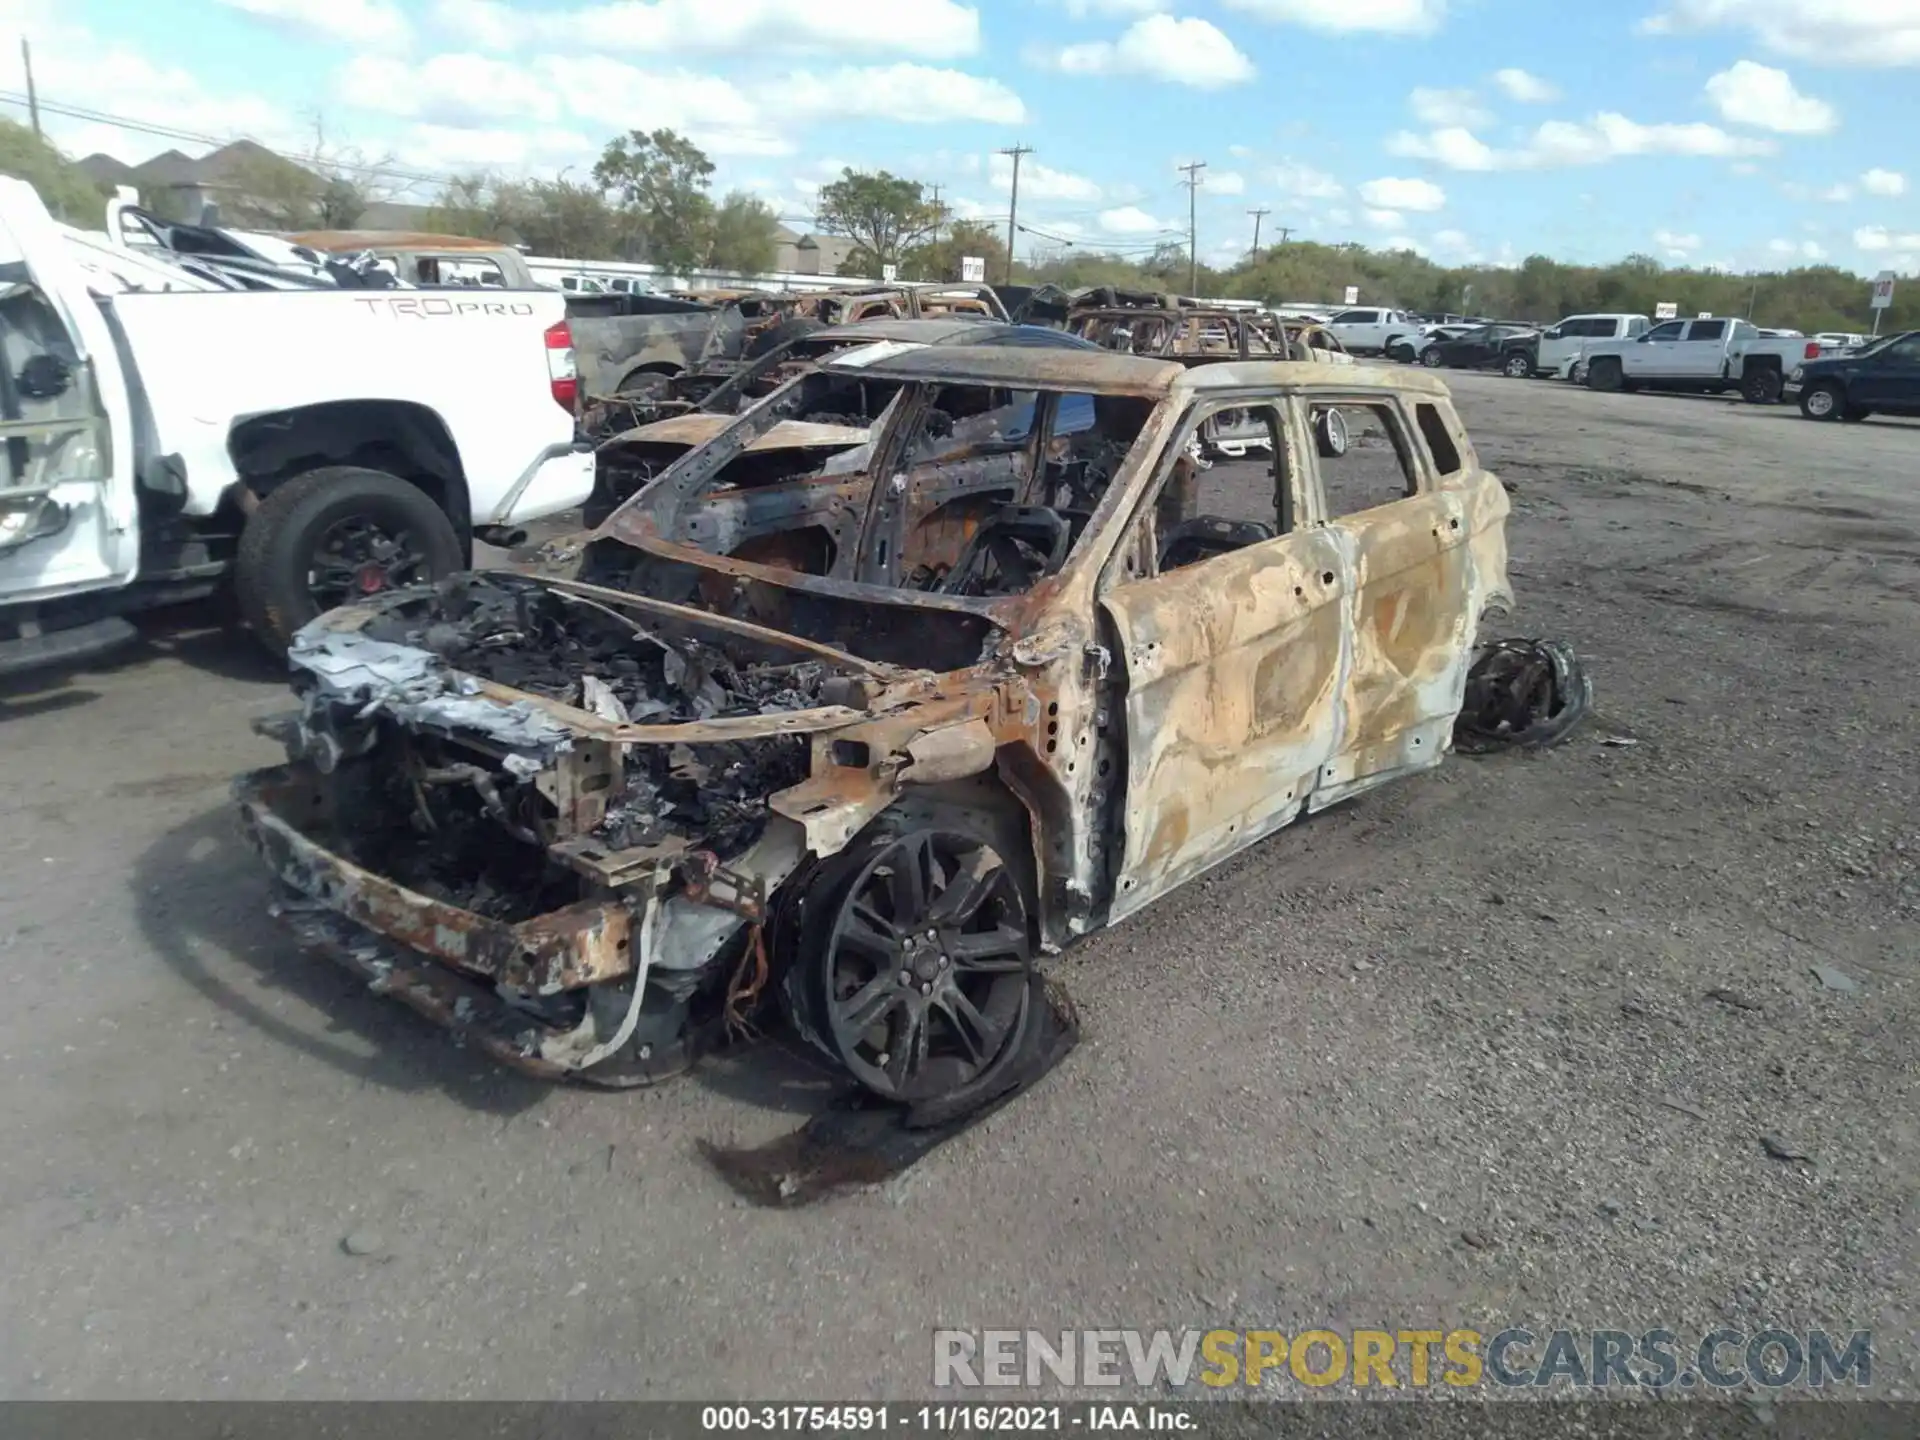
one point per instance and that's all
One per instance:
(514, 631)
(517, 632)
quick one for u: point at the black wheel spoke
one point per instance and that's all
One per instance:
(868, 933)
(907, 884)
(870, 1003)
(999, 951)
(978, 878)
(977, 1035)
(909, 1052)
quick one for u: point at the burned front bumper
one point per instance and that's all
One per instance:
(479, 977)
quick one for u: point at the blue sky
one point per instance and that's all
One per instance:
(1737, 133)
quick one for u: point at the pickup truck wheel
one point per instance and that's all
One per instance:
(1762, 387)
(1517, 366)
(1822, 402)
(1605, 374)
(333, 535)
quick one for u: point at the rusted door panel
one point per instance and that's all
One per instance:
(1233, 672)
(1411, 591)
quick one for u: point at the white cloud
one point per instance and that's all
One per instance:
(1560, 143)
(611, 95)
(357, 22)
(1452, 242)
(470, 90)
(1339, 216)
(1393, 193)
(1240, 152)
(457, 148)
(1448, 107)
(1453, 147)
(1803, 250)
(1338, 17)
(1130, 220)
(1040, 182)
(1223, 182)
(910, 93)
(1760, 96)
(1302, 182)
(1181, 51)
(1836, 194)
(1877, 33)
(1401, 242)
(1676, 244)
(1527, 89)
(936, 29)
(1876, 238)
(487, 24)
(1385, 219)
(1080, 9)
(1609, 137)
(1883, 182)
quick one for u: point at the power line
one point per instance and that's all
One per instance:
(1013, 201)
(1193, 223)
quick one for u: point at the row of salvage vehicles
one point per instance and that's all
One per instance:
(906, 660)
(893, 660)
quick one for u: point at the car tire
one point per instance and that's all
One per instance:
(1431, 357)
(1517, 366)
(344, 505)
(1330, 436)
(1762, 387)
(1855, 412)
(1606, 375)
(1577, 373)
(1394, 346)
(1825, 401)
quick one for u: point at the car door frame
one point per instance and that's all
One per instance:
(1229, 672)
(1650, 358)
(1417, 573)
(1704, 360)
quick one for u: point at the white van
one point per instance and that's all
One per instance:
(1562, 346)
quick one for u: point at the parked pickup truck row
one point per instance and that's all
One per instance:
(1711, 354)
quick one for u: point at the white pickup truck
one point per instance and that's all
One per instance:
(168, 439)
(1711, 354)
(1373, 330)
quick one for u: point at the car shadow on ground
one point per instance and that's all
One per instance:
(201, 903)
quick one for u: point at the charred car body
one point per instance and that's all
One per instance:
(629, 460)
(1192, 333)
(874, 741)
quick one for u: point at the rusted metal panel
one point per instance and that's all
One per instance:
(696, 429)
(564, 950)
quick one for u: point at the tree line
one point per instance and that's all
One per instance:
(649, 197)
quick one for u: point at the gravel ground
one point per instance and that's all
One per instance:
(1496, 1046)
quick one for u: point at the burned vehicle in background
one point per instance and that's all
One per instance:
(1194, 333)
(870, 743)
(629, 460)
(767, 322)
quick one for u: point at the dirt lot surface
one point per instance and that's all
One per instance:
(1497, 1046)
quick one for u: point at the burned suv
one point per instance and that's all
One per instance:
(867, 743)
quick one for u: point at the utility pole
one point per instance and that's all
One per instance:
(1013, 201)
(1192, 182)
(1286, 233)
(936, 212)
(33, 98)
(1258, 216)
